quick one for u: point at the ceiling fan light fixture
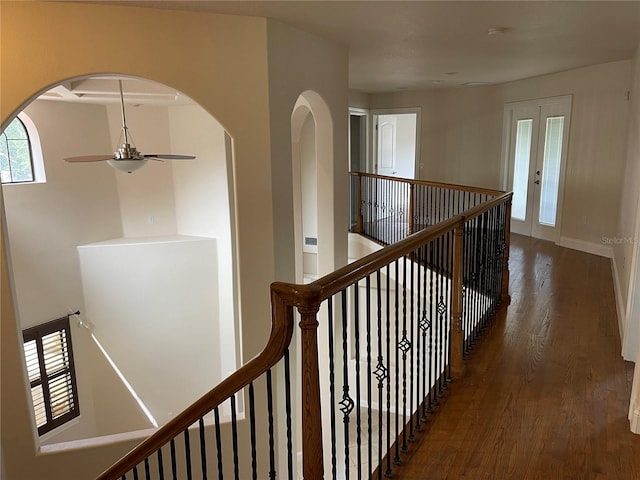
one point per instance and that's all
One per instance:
(128, 166)
(127, 158)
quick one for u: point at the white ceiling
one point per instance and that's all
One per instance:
(410, 45)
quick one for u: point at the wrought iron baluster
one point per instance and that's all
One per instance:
(174, 466)
(415, 353)
(252, 423)
(135, 473)
(449, 297)
(147, 471)
(272, 454)
(160, 464)
(404, 346)
(216, 414)
(346, 404)
(388, 471)
(234, 437)
(438, 339)
(287, 396)
(369, 373)
(380, 372)
(356, 333)
(332, 389)
(432, 399)
(187, 453)
(203, 449)
(396, 315)
(424, 325)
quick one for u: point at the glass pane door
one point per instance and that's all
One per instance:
(537, 133)
(551, 171)
(521, 169)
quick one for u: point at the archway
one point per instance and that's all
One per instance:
(312, 126)
(76, 244)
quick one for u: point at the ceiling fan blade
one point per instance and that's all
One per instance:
(161, 156)
(89, 158)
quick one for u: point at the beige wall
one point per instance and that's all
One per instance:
(626, 252)
(320, 68)
(204, 206)
(462, 139)
(629, 194)
(147, 202)
(77, 204)
(82, 203)
(43, 44)
(597, 143)
(358, 99)
(461, 133)
(239, 69)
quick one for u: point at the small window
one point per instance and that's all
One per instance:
(52, 378)
(16, 159)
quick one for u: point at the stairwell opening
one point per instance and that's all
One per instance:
(148, 258)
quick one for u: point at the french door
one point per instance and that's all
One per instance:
(536, 134)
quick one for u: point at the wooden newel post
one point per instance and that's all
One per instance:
(457, 335)
(506, 298)
(312, 458)
(411, 208)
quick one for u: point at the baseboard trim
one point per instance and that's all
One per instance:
(587, 247)
(620, 303)
(635, 421)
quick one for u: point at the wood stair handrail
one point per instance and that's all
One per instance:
(314, 293)
(306, 298)
(452, 186)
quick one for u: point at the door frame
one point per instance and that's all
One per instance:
(508, 137)
(366, 141)
(374, 135)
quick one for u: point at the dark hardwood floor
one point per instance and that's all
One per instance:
(546, 394)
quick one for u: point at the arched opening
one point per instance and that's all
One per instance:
(305, 192)
(314, 213)
(313, 186)
(147, 258)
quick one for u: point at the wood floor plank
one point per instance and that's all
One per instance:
(546, 392)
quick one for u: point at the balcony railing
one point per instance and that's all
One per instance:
(379, 342)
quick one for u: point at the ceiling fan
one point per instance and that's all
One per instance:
(127, 158)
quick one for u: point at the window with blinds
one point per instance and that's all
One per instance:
(49, 357)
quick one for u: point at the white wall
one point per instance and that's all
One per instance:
(462, 139)
(460, 135)
(321, 72)
(626, 259)
(406, 145)
(77, 204)
(146, 198)
(625, 250)
(239, 70)
(309, 176)
(204, 206)
(85, 203)
(153, 303)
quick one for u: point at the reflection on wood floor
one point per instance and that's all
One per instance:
(546, 394)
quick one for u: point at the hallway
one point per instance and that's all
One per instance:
(546, 393)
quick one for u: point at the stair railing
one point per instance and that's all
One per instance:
(380, 341)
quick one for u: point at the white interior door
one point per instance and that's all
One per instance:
(387, 145)
(396, 142)
(537, 133)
